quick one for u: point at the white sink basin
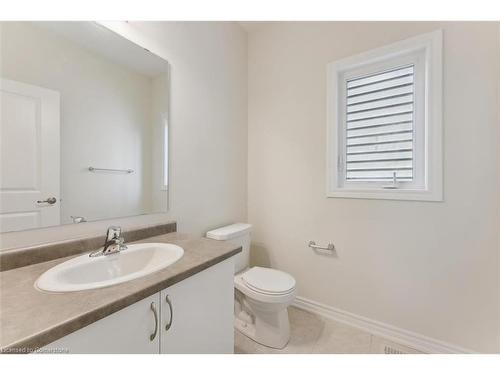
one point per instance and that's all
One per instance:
(84, 272)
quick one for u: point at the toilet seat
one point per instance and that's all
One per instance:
(275, 287)
(268, 281)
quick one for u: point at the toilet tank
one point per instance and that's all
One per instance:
(238, 234)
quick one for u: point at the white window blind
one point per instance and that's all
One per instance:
(384, 122)
(380, 125)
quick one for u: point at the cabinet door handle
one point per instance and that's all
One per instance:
(155, 314)
(169, 324)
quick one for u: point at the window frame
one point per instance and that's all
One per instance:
(425, 53)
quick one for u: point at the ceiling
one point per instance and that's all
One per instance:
(107, 44)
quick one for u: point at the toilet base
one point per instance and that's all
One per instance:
(264, 324)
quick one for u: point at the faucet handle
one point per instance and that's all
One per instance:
(113, 232)
(113, 243)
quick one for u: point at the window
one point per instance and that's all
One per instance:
(384, 122)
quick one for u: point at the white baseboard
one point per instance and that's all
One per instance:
(398, 335)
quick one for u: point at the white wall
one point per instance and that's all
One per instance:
(208, 128)
(106, 120)
(431, 268)
(208, 118)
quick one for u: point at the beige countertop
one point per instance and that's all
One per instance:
(30, 319)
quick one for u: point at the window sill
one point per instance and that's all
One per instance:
(390, 194)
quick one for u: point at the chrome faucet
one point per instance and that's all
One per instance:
(113, 243)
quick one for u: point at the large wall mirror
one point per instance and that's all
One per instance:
(84, 125)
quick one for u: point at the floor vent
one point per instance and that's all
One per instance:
(391, 350)
(383, 346)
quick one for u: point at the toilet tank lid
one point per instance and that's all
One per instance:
(229, 231)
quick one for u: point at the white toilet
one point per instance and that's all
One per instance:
(262, 295)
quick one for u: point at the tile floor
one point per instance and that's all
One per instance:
(313, 334)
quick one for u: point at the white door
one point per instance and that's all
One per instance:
(132, 330)
(197, 313)
(29, 156)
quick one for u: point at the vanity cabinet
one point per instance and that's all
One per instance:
(197, 313)
(194, 315)
(126, 331)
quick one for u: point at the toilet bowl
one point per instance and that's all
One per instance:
(262, 295)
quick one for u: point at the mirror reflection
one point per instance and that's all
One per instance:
(84, 125)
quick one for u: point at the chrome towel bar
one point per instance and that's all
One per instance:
(329, 247)
(93, 169)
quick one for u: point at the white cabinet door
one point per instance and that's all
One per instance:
(202, 312)
(29, 156)
(129, 330)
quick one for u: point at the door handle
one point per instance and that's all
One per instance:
(155, 314)
(169, 324)
(50, 200)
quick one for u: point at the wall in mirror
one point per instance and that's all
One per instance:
(84, 125)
